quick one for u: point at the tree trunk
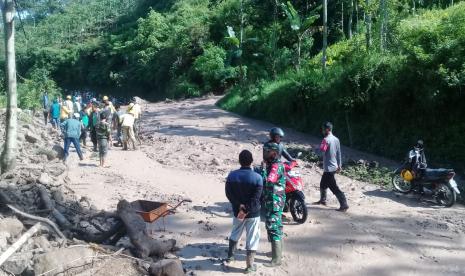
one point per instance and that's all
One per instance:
(325, 32)
(299, 46)
(368, 25)
(356, 16)
(145, 246)
(342, 19)
(383, 28)
(274, 39)
(349, 20)
(241, 37)
(8, 156)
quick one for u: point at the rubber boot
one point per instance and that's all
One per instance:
(251, 267)
(276, 253)
(322, 200)
(231, 250)
(125, 145)
(342, 202)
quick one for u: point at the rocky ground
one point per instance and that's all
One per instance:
(188, 149)
(39, 186)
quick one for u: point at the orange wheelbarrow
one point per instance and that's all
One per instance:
(151, 211)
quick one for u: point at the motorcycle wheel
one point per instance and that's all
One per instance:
(299, 210)
(446, 195)
(400, 184)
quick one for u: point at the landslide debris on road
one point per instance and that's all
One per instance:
(87, 240)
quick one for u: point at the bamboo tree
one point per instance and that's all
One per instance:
(342, 19)
(357, 16)
(368, 25)
(383, 27)
(8, 156)
(325, 32)
(349, 20)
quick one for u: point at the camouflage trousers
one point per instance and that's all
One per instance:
(273, 218)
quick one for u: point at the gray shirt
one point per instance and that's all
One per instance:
(331, 149)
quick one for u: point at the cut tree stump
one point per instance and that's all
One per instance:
(135, 227)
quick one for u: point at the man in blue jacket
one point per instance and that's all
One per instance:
(71, 129)
(243, 189)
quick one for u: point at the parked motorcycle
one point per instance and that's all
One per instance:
(295, 198)
(439, 183)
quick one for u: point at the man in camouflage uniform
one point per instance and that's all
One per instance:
(275, 198)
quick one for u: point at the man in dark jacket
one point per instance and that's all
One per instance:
(243, 189)
(276, 135)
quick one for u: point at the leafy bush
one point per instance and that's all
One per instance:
(212, 69)
(31, 89)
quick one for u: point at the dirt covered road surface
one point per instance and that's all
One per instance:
(188, 149)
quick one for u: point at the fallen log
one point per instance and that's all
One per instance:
(62, 221)
(104, 236)
(17, 245)
(48, 205)
(144, 245)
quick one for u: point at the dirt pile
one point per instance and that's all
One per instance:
(49, 230)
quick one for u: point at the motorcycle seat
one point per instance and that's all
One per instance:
(437, 173)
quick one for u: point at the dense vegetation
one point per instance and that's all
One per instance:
(380, 101)
(394, 69)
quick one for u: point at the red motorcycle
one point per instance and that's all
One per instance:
(295, 198)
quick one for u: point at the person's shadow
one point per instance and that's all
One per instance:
(209, 257)
(87, 165)
(411, 199)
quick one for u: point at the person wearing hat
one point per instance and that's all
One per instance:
(274, 197)
(244, 189)
(127, 127)
(68, 106)
(71, 129)
(108, 108)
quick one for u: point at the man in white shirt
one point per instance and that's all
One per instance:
(127, 127)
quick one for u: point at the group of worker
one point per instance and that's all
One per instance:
(76, 119)
(247, 190)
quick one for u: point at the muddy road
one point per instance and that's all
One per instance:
(189, 148)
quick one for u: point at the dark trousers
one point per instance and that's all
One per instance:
(119, 135)
(45, 117)
(83, 137)
(75, 142)
(329, 181)
(93, 137)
